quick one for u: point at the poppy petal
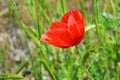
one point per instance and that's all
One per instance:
(65, 17)
(81, 26)
(58, 25)
(75, 30)
(54, 41)
(57, 35)
(71, 21)
(75, 13)
(62, 34)
(73, 27)
(68, 32)
(57, 28)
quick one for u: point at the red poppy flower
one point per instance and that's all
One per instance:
(67, 32)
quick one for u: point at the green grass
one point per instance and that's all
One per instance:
(97, 57)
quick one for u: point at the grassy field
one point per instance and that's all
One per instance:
(97, 57)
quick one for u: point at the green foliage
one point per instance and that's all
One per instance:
(96, 58)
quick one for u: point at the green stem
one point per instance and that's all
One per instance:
(115, 25)
(10, 76)
(4, 58)
(48, 69)
(3, 12)
(95, 11)
(63, 4)
(22, 66)
(89, 27)
(82, 65)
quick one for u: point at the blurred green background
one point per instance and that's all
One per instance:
(23, 56)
